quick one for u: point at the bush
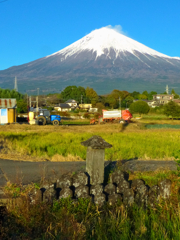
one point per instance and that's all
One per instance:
(140, 107)
(96, 115)
(64, 114)
(172, 109)
(86, 115)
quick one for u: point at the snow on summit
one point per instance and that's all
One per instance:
(107, 38)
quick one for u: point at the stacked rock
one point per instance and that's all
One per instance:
(80, 183)
(64, 186)
(98, 197)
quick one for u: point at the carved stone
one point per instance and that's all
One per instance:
(165, 188)
(95, 158)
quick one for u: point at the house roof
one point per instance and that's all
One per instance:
(71, 101)
(63, 105)
(8, 103)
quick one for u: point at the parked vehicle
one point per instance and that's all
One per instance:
(114, 116)
(44, 117)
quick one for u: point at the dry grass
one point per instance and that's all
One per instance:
(69, 158)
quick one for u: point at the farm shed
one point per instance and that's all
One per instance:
(8, 110)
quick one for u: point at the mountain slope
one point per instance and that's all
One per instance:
(103, 59)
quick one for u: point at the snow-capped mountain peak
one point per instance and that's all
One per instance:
(102, 40)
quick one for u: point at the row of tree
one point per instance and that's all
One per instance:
(7, 93)
(115, 99)
(170, 109)
(112, 100)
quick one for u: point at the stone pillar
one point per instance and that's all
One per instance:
(95, 158)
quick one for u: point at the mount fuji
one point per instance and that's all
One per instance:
(105, 60)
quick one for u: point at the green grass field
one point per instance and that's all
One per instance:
(134, 141)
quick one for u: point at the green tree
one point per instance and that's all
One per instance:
(92, 95)
(111, 101)
(142, 96)
(172, 109)
(100, 106)
(129, 100)
(145, 93)
(150, 95)
(140, 107)
(135, 94)
(73, 92)
(176, 96)
(21, 106)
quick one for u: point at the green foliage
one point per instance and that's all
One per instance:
(172, 109)
(7, 93)
(21, 106)
(176, 96)
(150, 95)
(83, 220)
(135, 95)
(126, 145)
(87, 115)
(92, 95)
(140, 107)
(142, 96)
(112, 102)
(73, 92)
(100, 106)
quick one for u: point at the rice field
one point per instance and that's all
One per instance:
(132, 141)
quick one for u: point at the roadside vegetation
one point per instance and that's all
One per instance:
(65, 219)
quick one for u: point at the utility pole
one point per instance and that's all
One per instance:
(15, 85)
(81, 99)
(120, 103)
(37, 104)
(167, 89)
(30, 101)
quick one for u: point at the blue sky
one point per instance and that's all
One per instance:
(31, 29)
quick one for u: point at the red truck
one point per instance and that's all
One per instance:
(113, 116)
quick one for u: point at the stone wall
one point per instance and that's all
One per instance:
(119, 188)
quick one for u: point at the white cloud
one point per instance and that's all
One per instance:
(117, 28)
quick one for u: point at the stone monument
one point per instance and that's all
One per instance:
(95, 158)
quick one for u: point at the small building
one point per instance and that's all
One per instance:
(8, 110)
(85, 106)
(62, 107)
(162, 99)
(72, 103)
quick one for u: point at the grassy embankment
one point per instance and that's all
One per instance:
(83, 220)
(63, 143)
